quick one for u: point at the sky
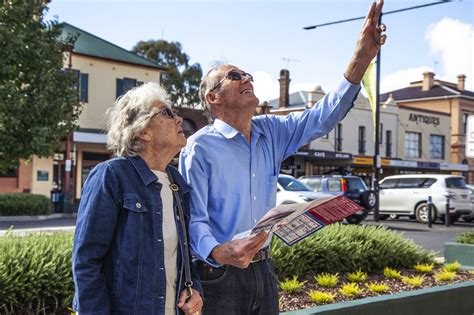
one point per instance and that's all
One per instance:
(262, 36)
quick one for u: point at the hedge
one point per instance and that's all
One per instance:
(12, 204)
(36, 277)
(466, 238)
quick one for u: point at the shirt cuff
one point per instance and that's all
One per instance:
(206, 251)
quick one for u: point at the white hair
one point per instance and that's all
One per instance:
(130, 115)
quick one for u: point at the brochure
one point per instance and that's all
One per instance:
(294, 222)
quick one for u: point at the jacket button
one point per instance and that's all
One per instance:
(138, 205)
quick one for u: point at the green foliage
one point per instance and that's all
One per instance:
(358, 276)
(445, 276)
(471, 272)
(413, 281)
(350, 289)
(466, 238)
(454, 266)
(181, 80)
(291, 286)
(391, 273)
(377, 288)
(320, 297)
(35, 273)
(344, 248)
(327, 280)
(423, 268)
(38, 101)
(24, 204)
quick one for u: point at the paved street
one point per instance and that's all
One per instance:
(428, 238)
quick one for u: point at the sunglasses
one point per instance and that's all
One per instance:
(233, 76)
(166, 112)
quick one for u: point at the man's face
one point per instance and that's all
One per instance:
(235, 89)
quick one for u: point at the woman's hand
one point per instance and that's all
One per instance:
(190, 304)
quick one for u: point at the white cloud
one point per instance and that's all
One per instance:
(402, 78)
(453, 41)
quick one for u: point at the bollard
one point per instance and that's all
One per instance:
(430, 207)
(446, 215)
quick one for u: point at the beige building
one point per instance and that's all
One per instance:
(105, 71)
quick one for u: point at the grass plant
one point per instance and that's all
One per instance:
(423, 268)
(358, 276)
(350, 289)
(414, 281)
(445, 276)
(291, 285)
(327, 280)
(454, 266)
(377, 287)
(391, 273)
(320, 297)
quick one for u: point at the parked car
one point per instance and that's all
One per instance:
(353, 187)
(291, 190)
(408, 195)
(470, 218)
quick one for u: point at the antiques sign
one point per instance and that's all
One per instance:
(424, 119)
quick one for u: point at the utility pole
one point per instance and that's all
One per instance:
(377, 159)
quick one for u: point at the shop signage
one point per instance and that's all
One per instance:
(429, 120)
(470, 137)
(324, 154)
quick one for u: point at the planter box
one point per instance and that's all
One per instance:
(463, 253)
(442, 300)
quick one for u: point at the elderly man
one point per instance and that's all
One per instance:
(233, 166)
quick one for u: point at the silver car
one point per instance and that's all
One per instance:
(407, 195)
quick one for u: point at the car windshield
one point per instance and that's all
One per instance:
(455, 182)
(292, 184)
(355, 184)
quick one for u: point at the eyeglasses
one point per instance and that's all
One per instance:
(234, 76)
(166, 112)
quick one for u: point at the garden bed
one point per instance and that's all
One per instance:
(301, 300)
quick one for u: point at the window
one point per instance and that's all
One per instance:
(389, 183)
(11, 172)
(334, 185)
(338, 137)
(388, 143)
(413, 144)
(464, 122)
(124, 85)
(361, 140)
(409, 182)
(82, 85)
(436, 147)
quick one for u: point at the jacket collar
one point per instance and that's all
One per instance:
(147, 176)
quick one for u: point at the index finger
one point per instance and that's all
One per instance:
(370, 14)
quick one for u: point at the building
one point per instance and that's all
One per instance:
(105, 72)
(429, 98)
(412, 140)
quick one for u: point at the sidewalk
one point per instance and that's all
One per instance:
(22, 225)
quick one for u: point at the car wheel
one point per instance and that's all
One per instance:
(369, 199)
(421, 213)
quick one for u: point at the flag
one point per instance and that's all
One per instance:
(369, 82)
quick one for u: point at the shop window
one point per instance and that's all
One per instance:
(436, 147)
(413, 144)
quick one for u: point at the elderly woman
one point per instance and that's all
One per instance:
(130, 251)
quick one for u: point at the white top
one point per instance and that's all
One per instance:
(170, 239)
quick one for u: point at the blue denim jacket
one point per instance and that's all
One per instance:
(118, 263)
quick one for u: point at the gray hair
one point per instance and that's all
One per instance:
(130, 115)
(210, 80)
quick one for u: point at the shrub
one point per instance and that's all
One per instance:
(377, 288)
(291, 286)
(35, 273)
(391, 273)
(24, 204)
(423, 268)
(445, 276)
(344, 248)
(350, 289)
(413, 281)
(320, 297)
(466, 238)
(357, 276)
(327, 280)
(454, 266)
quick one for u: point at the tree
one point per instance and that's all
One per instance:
(38, 100)
(181, 80)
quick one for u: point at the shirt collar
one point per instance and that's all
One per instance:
(229, 132)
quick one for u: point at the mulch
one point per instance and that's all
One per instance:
(301, 300)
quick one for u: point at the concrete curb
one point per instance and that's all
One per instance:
(26, 218)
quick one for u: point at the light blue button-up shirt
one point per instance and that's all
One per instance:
(234, 183)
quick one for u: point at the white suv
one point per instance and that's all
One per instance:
(408, 195)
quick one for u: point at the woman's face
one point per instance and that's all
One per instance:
(165, 130)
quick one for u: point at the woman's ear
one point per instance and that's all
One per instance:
(145, 135)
